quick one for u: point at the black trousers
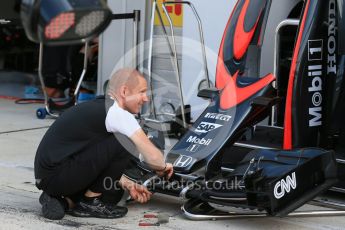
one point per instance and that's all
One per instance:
(97, 168)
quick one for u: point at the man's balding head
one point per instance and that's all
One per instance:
(129, 88)
(123, 77)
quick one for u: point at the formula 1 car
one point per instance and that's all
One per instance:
(276, 135)
(270, 140)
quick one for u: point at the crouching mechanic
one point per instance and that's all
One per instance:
(79, 155)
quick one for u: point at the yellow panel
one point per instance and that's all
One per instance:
(175, 11)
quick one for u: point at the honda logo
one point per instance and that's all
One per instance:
(286, 185)
(183, 161)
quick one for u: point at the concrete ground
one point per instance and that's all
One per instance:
(20, 134)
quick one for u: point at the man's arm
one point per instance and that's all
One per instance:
(152, 155)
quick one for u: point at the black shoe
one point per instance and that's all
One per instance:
(95, 207)
(53, 208)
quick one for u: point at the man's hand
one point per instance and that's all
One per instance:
(167, 172)
(138, 192)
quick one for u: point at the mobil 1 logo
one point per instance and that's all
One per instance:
(315, 73)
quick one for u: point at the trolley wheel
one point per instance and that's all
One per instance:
(41, 113)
